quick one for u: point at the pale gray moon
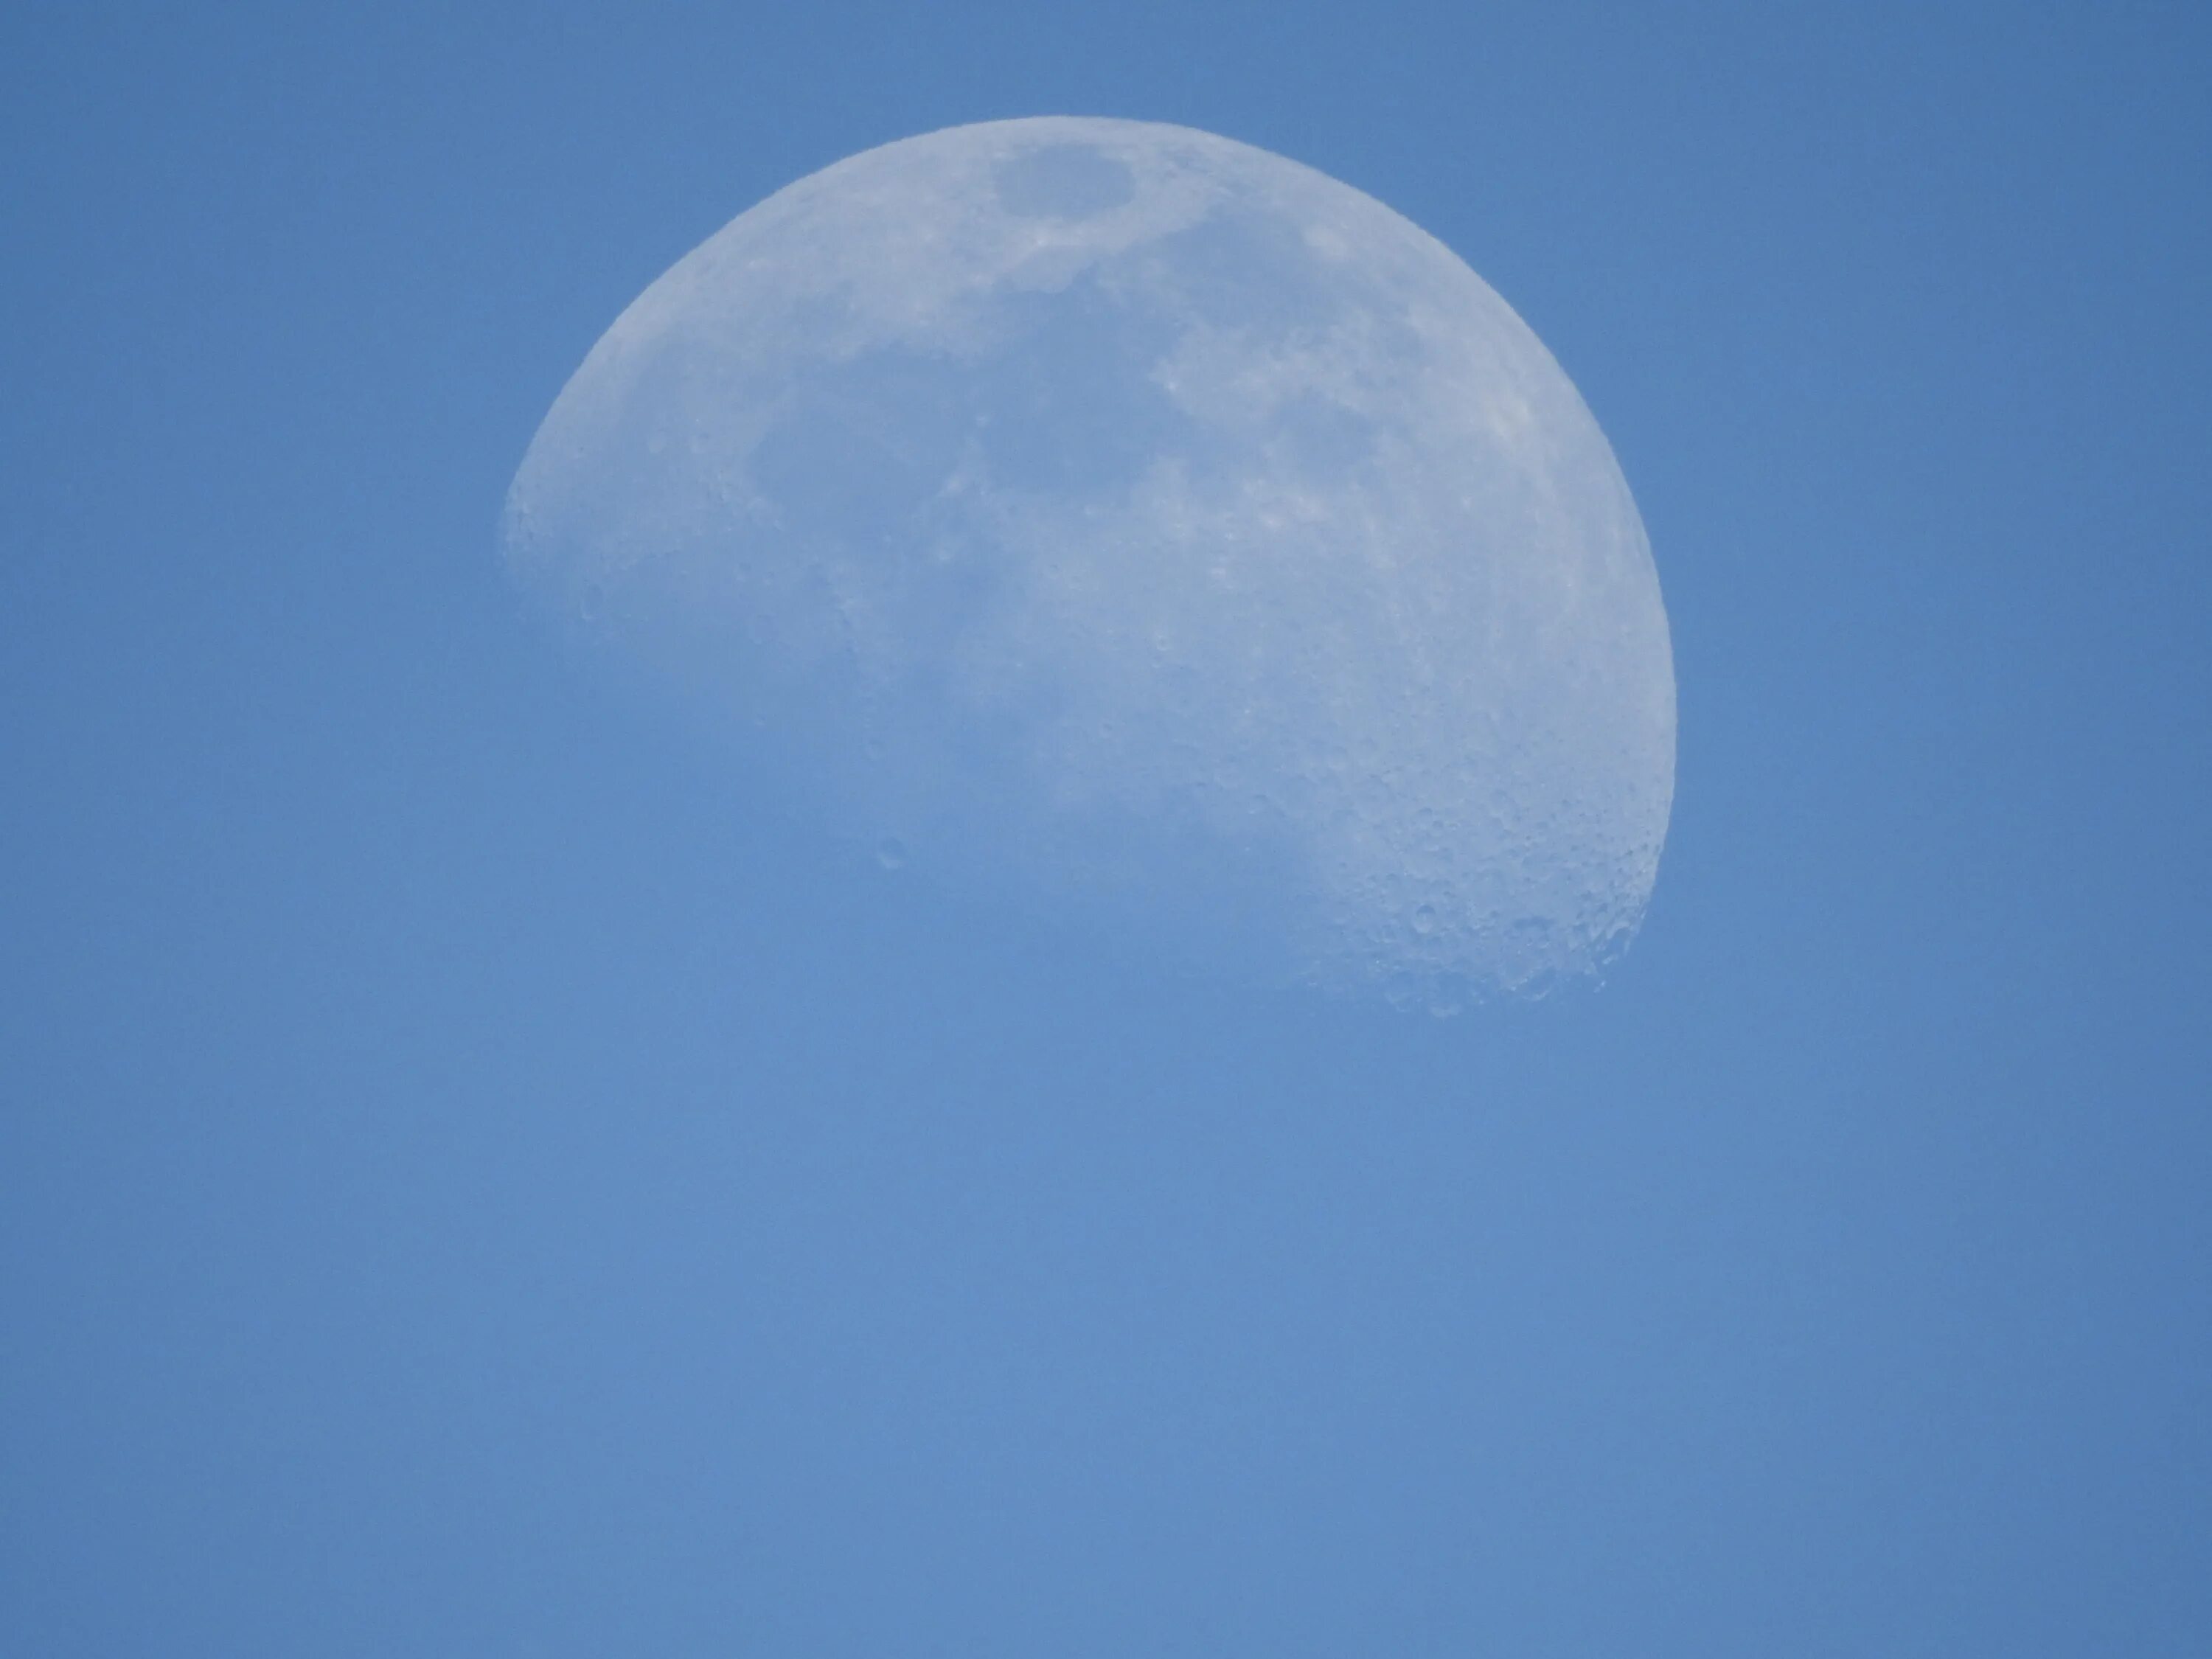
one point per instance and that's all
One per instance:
(1134, 522)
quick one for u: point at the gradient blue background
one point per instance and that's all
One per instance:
(476, 1179)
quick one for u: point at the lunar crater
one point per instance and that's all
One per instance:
(1063, 181)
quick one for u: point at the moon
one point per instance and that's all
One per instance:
(1141, 523)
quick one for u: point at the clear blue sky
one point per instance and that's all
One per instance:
(476, 1179)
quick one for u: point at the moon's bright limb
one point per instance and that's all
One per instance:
(1126, 512)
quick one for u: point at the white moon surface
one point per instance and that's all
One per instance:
(1149, 525)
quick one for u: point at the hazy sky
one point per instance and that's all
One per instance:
(477, 1177)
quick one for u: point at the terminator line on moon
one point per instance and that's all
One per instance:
(1152, 523)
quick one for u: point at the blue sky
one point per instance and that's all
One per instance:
(477, 1176)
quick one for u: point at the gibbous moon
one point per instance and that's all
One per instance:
(1147, 525)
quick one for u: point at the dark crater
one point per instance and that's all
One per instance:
(1064, 181)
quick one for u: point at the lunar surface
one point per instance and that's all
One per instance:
(1141, 524)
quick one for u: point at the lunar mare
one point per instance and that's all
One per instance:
(1152, 523)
